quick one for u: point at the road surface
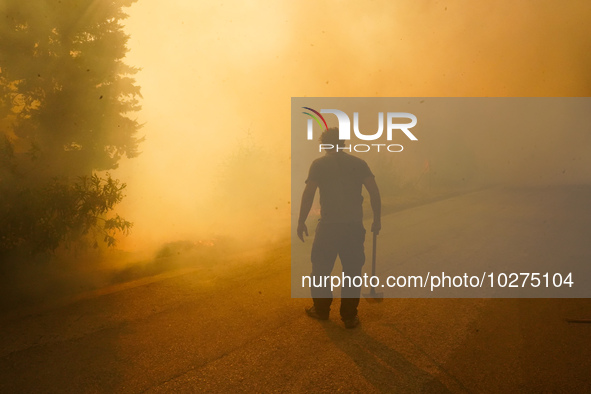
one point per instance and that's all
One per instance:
(234, 327)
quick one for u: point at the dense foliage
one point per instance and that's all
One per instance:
(66, 101)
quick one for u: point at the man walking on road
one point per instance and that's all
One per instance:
(339, 177)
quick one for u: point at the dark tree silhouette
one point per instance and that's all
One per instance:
(66, 97)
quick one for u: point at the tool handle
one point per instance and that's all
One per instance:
(373, 254)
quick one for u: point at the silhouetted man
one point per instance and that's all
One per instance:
(339, 177)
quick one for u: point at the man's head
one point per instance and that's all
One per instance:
(331, 136)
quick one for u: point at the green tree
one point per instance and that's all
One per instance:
(66, 97)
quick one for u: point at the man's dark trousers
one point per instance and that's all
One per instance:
(344, 240)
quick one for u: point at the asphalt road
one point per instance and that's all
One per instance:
(235, 328)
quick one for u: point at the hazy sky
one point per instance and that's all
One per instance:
(217, 75)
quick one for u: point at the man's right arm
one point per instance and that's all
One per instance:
(307, 201)
(376, 203)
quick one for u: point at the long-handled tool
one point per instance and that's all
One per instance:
(373, 295)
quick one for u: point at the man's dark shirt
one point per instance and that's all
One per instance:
(340, 179)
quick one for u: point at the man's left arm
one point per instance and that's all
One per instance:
(307, 201)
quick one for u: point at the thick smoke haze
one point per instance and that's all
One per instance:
(217, 78)
(194, 155)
